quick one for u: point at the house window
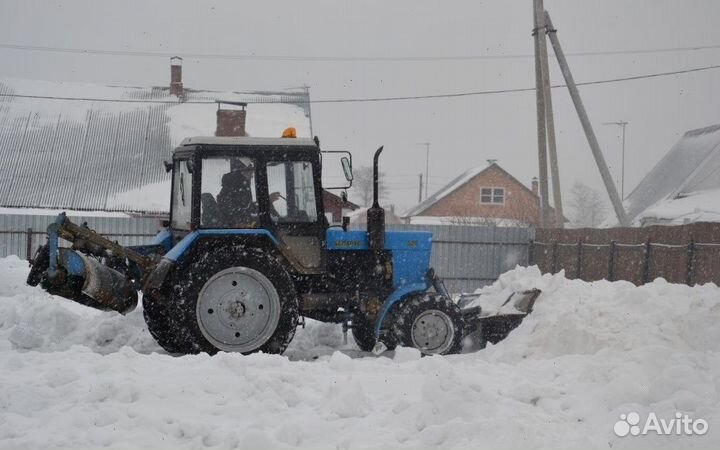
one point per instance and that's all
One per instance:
(492, 196)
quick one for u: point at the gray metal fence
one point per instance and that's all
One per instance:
(21, 234)
(470, 257)
(467, 257)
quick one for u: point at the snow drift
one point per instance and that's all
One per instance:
(74, 377)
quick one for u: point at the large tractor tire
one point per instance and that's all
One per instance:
(431, 323)
(232, 302)
(163, 328)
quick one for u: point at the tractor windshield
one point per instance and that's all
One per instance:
(292, 191)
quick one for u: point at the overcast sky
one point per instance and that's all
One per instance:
(464, 132)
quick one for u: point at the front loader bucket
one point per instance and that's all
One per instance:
(83, 279)
(495, 326)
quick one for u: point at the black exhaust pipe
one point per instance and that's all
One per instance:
(376, 214)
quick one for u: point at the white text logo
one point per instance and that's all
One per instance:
(681, 424)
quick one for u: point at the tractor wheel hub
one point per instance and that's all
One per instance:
(238, 309)
(432, 332)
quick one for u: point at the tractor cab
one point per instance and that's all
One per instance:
(245, 184)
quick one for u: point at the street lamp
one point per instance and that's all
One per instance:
(622, 124)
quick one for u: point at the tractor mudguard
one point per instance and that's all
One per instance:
(397, 296)
(182, 249)
(431, 279)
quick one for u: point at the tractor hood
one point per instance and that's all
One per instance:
(410, 253)
(394, 240)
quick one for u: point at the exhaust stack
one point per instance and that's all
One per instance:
(376, 214)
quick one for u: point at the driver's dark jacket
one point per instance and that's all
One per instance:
(235, 199)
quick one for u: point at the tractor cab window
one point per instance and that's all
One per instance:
(292, 191)
(228, 198)
(182, 195)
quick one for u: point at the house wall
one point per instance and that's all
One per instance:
(520, 204)
(334, 207)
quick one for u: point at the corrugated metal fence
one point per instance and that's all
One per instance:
(20, 233)
(470, 257)
(467, 257)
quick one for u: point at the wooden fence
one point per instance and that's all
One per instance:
(687, 254)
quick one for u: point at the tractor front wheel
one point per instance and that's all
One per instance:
(431, 323)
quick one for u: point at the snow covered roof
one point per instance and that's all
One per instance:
(703, 206)
(454, 185)
(692, 165)
(358, 217)
(107, 155)
(466, 221)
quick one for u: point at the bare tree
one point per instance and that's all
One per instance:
(362, 185)
(589, 208)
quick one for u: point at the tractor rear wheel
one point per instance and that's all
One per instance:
(236, 303)
(161, 326)
(431, 323)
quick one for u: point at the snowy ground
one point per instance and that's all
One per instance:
(71, 377)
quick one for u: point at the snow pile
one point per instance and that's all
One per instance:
(31, 319)
(73, 377)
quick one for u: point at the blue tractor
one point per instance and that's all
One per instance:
(248, 252)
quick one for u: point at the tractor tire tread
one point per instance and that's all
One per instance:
(405, 312)
(185, 295)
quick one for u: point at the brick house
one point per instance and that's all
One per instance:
(335, 207)
(481, 196)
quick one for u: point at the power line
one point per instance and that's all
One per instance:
(330, 58)
(507, 91)
(382, 99)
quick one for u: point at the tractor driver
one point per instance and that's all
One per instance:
(235, 199)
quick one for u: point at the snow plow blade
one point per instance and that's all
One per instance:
(83, 279)
(495, 326)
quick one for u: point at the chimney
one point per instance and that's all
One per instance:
(534, 185)
(231, 119)
(176, 85)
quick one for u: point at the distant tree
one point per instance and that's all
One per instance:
(589, 208)
(362, 185)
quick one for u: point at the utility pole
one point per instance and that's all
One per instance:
(587, 127)
(622, 124)
(420, 189)
(427, 166)
(559, 219)
(540, 44)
